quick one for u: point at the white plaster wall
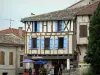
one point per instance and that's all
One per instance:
(83, 53)
(82, 20)
(10, 72)
(70, 44)
(11, 68)
(7, 50)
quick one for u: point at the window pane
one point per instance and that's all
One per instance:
(60, 42)
(59, 25)
(47, 43)
(34, 41)
(35, 26)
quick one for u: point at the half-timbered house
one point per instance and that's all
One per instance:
(50, 37)
(57, 36)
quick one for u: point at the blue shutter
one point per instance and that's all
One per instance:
(38, 26)
(56, 26)
(65, 43)
(62, 28)
(51, 43)
(38, 42)
(30, 43)
(42, 43)
(56, 43)
(33, 27)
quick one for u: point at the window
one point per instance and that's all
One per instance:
(35, 26)
(2, 57)
(83, 30)
(59, 25)
(47, 43)
(34, 41)
(60, 42)
(11, 58)
(21, 59)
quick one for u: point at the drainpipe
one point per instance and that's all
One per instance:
(16, 61)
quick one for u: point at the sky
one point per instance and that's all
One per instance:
(17, 9)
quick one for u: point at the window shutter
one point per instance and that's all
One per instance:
(62, 26)
(42, 43)
(33, 27)
(65, 43)
(2, 58)
(38, 26)
(83, 30)
(38, 42)
(56, 26)
(56, 43)
(30, 43)
(11, 58)
(51, 43)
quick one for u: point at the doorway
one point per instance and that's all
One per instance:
(5, 73)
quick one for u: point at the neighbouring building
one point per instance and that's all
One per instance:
(11, 51)
(59, 37)
(82, 29)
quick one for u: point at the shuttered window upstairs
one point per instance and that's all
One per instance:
(34, 43)
(62, 28)
(60, 42)
(36, 26)
(59, 26)
(47, 43)
(83, 31)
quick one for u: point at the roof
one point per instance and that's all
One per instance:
(75, 3)
(89, 10)
(11, 39)
(65, 14)
(13, 31)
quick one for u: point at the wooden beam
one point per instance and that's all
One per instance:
(66, 25)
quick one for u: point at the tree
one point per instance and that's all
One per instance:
(93, 52)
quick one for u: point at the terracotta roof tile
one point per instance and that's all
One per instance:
(13, 31)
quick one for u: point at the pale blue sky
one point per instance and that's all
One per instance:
(17, 9)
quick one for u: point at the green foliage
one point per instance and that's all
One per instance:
(93, 52)
(43, 71)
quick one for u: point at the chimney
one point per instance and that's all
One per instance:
(32, 14)
(20, 31)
